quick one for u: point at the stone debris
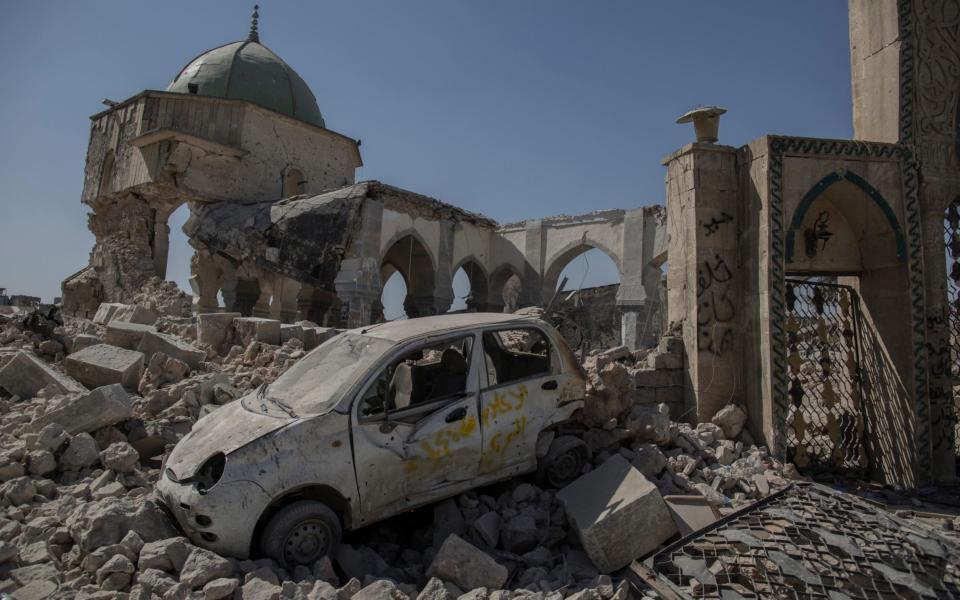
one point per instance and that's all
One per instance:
(78, 466)
(24, 375)
(104, 364)
(609, 507)
(104, 406)
(126, 335)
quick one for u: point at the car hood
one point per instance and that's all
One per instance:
(224, 430)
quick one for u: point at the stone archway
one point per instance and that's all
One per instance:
(409, 256)
(562, 258)
(847, 368)
(477, 299)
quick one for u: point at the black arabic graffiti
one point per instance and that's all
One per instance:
(714, 224)
(716, 308)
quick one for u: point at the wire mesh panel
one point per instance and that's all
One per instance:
(951, 238)
(825, 422)
(809, 541)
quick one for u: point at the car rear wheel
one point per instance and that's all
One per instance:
(563, 462)
(301, 533)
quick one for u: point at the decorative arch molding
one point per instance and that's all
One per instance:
(417, 236)
(778, 147)
(822, 186)
(573, 249)
(476, 261)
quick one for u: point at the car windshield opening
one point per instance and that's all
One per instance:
(316, 383)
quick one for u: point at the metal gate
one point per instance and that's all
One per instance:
(825, 422)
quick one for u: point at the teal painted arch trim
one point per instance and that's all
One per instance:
(822, 186)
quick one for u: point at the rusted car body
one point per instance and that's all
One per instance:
(374, 422)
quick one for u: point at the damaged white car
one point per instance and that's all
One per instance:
(374, 422)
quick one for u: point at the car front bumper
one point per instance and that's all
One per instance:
(222, 519)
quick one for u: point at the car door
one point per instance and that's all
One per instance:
(427, 438)
(521, 386)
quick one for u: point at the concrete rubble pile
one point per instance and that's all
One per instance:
(80, 456)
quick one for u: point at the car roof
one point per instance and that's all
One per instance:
(401, 330)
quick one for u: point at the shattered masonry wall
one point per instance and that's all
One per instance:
(213, 149)
(596, 314)
(156, 151)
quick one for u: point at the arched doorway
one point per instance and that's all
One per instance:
(469, 288)
(294, 182)
(591, 282)
(393, 295)
(409, 257)
(845, 262)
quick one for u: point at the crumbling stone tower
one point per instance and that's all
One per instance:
(236, 124)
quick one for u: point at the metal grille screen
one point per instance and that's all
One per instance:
(825, 424)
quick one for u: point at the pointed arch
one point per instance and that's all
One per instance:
(821, 186)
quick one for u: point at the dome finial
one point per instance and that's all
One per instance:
(254, 18)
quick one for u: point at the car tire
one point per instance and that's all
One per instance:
(563, 462)
(301, 533)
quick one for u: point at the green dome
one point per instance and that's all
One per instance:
(249, 71)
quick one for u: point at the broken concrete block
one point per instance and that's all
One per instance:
(731, 419)
(466, 566)
(104, 406)
(84, 340)
(152, 343)
(135, 313)
(691, 513)
(309, 338)
(618, 515)
(25, 375)
(104, 364)
(106, 312)
(289, 332)
(215, 329)
(126, 335)
(255, 329)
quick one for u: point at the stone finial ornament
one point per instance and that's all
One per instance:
(706, 122)
(254, 35)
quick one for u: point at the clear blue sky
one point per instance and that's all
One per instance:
(512, 108)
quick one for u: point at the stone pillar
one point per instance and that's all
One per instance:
(638, 297)
(228, 289)
(262, 307)
(205, 282)
(283, 300)
(703, 285)
(532, 276)
(940, 352)
(358, 282)
(443, 285)
(161, 245)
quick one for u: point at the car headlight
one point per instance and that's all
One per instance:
(210, 472)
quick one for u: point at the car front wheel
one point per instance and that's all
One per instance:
(563, 462)
(301, 533)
